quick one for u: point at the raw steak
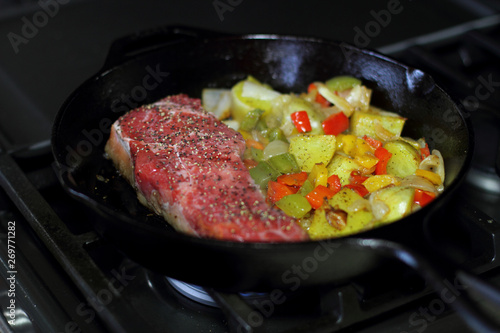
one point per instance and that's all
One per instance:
(186, 166)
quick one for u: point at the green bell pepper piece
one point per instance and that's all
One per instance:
(276, 134)
(340, 83)
(251, 119)
(294, 205)
(284, 163)
(263, 173)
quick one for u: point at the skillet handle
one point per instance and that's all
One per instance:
(453, 284)
(130, 46)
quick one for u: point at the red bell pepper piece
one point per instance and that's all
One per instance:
(301, 121)
(311, 88)
(372, 142)
(321, 100)
(317, 196)
(294, 179)
(334, 183)
(356, 178)
(335, 123)
(383, 155)
(424, 152)
(318, 97)
(422, 198)
(360, 189)
(276, 191)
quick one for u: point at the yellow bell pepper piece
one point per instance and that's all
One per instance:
(348, 144)
(430, 176)
(352, 145)
(339, 144)
(358, 149)
(246, 135)
(362, 147)
(318, 175)
(366, 160)
(377, 182)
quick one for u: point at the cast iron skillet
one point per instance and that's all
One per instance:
(146, 67)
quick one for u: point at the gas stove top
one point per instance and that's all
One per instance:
(68, 279)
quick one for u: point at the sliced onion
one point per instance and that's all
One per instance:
(434, 163)
(379, 208)
(421, 142)
(344, 93)
(232, 124)
(274, 118)
(360, 205)
(429, 163)
(274, 148)
(328, 111)
(383, 112)
(210, 98)
(338, 101)
(440, 170)
(382, 133)
(415, 144)
(287, 129)
(217, 101)
(257, 136)
(420, 183)
(359, 98)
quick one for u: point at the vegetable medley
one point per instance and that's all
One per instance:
(327, 157)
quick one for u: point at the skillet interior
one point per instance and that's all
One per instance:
(288, 64)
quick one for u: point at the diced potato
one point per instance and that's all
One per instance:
(342, 166)
(250, 94)
(405, 158)
(312, 149)
(398, 199)
(356, 220)
(344, 199)
(319, 227)
(258, 91)
(364, 123)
